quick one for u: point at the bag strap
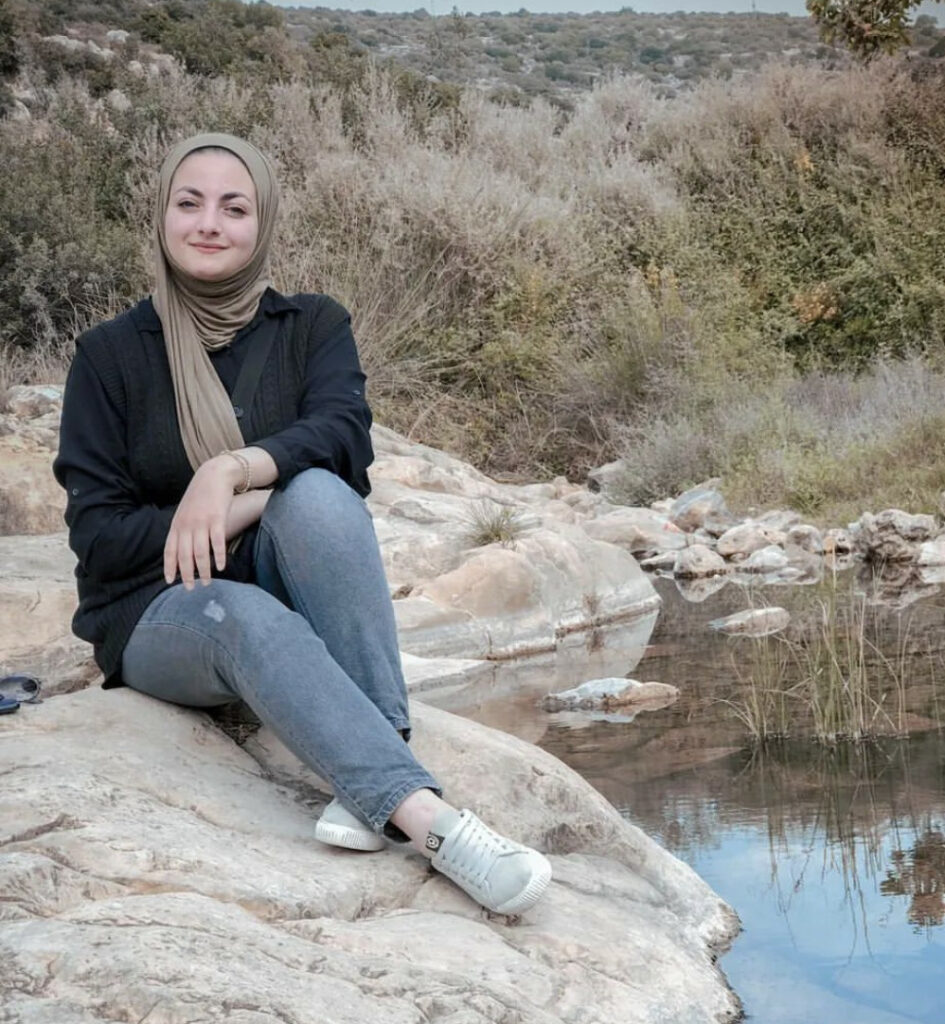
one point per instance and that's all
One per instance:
(250, 372)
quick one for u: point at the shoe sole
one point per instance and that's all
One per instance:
(349, 838)
(530, 895)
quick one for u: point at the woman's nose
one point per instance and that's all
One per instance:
(208, 223)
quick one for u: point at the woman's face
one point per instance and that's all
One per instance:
(211, 222)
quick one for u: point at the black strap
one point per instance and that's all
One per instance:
(250, 371)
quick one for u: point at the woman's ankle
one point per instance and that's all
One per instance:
(415, 816)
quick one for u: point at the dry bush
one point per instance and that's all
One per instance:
(539, 291)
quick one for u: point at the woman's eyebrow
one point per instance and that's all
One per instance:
(226, 195)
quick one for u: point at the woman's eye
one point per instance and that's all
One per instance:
(186, 204)
(238, 210)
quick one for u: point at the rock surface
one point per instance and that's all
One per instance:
(892, 535)
(698, 560)
(700, 506)
(169, 876)
(753, 622)
(610, 693)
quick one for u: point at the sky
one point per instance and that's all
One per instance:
(794, 7)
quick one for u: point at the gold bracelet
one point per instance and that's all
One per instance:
(247, 480)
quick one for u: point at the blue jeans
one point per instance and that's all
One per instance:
(311, 647)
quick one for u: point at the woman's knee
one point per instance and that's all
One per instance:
(320, 500)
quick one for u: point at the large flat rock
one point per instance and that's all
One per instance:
(153, 870)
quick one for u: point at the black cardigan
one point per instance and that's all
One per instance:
(123, 464)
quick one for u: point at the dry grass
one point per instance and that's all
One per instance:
(539, 292)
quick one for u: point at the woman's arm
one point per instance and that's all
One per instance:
(112, 534)
(333, 427)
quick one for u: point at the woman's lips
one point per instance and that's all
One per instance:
(208, 248)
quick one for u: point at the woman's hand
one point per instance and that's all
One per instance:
(200, 522)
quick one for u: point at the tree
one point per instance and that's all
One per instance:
(867, 27)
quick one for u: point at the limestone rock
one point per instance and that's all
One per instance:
(523, 597)
(695, 590)
(932, 552)
(152, 866)
(768, 559)
(610, 693)
(605, 478)
(698, 560)
(807, 538)
(37, 599)
(664, 560)
(699, 506)
(838, 541)
(740, 541)
(19, 111)
(117, 35)
(753, 622)
(892, 535)
(641, 531)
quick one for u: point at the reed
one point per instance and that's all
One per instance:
(833, 679)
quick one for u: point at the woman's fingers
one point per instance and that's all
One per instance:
(218, 541)
(185, 558)
(170, 556)
(201, 550)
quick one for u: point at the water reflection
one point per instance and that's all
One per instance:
(920, 874)
(833, 857)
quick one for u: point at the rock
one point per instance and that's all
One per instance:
(520, 599)
(699, 506)
(779, 520)
(608, 477)
(30, 401)
(932, 552)
(698, 560)
(664, 560)
(892, 535)
(167, 867)
(19, 111)
(703, 536)
(769, 559)
(696, 590)
(136, 68)
(117, 35)
(37, 599)
(423, 674)
(740, 541)
(807, 538)
(640, 531)
(753, 622)
(838, 541)
(662, 506)
(609, 693)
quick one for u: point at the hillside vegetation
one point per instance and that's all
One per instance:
(740, 277)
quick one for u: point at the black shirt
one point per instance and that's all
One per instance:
(124, 468)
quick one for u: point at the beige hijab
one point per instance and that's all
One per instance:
(201, 316)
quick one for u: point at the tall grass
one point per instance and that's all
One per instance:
(673, 280)
(835, 678)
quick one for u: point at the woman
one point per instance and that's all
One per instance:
(225, 550)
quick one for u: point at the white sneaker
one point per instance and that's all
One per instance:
(339, 827)
(502, 875)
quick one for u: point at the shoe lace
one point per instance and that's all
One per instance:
(476, 852)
